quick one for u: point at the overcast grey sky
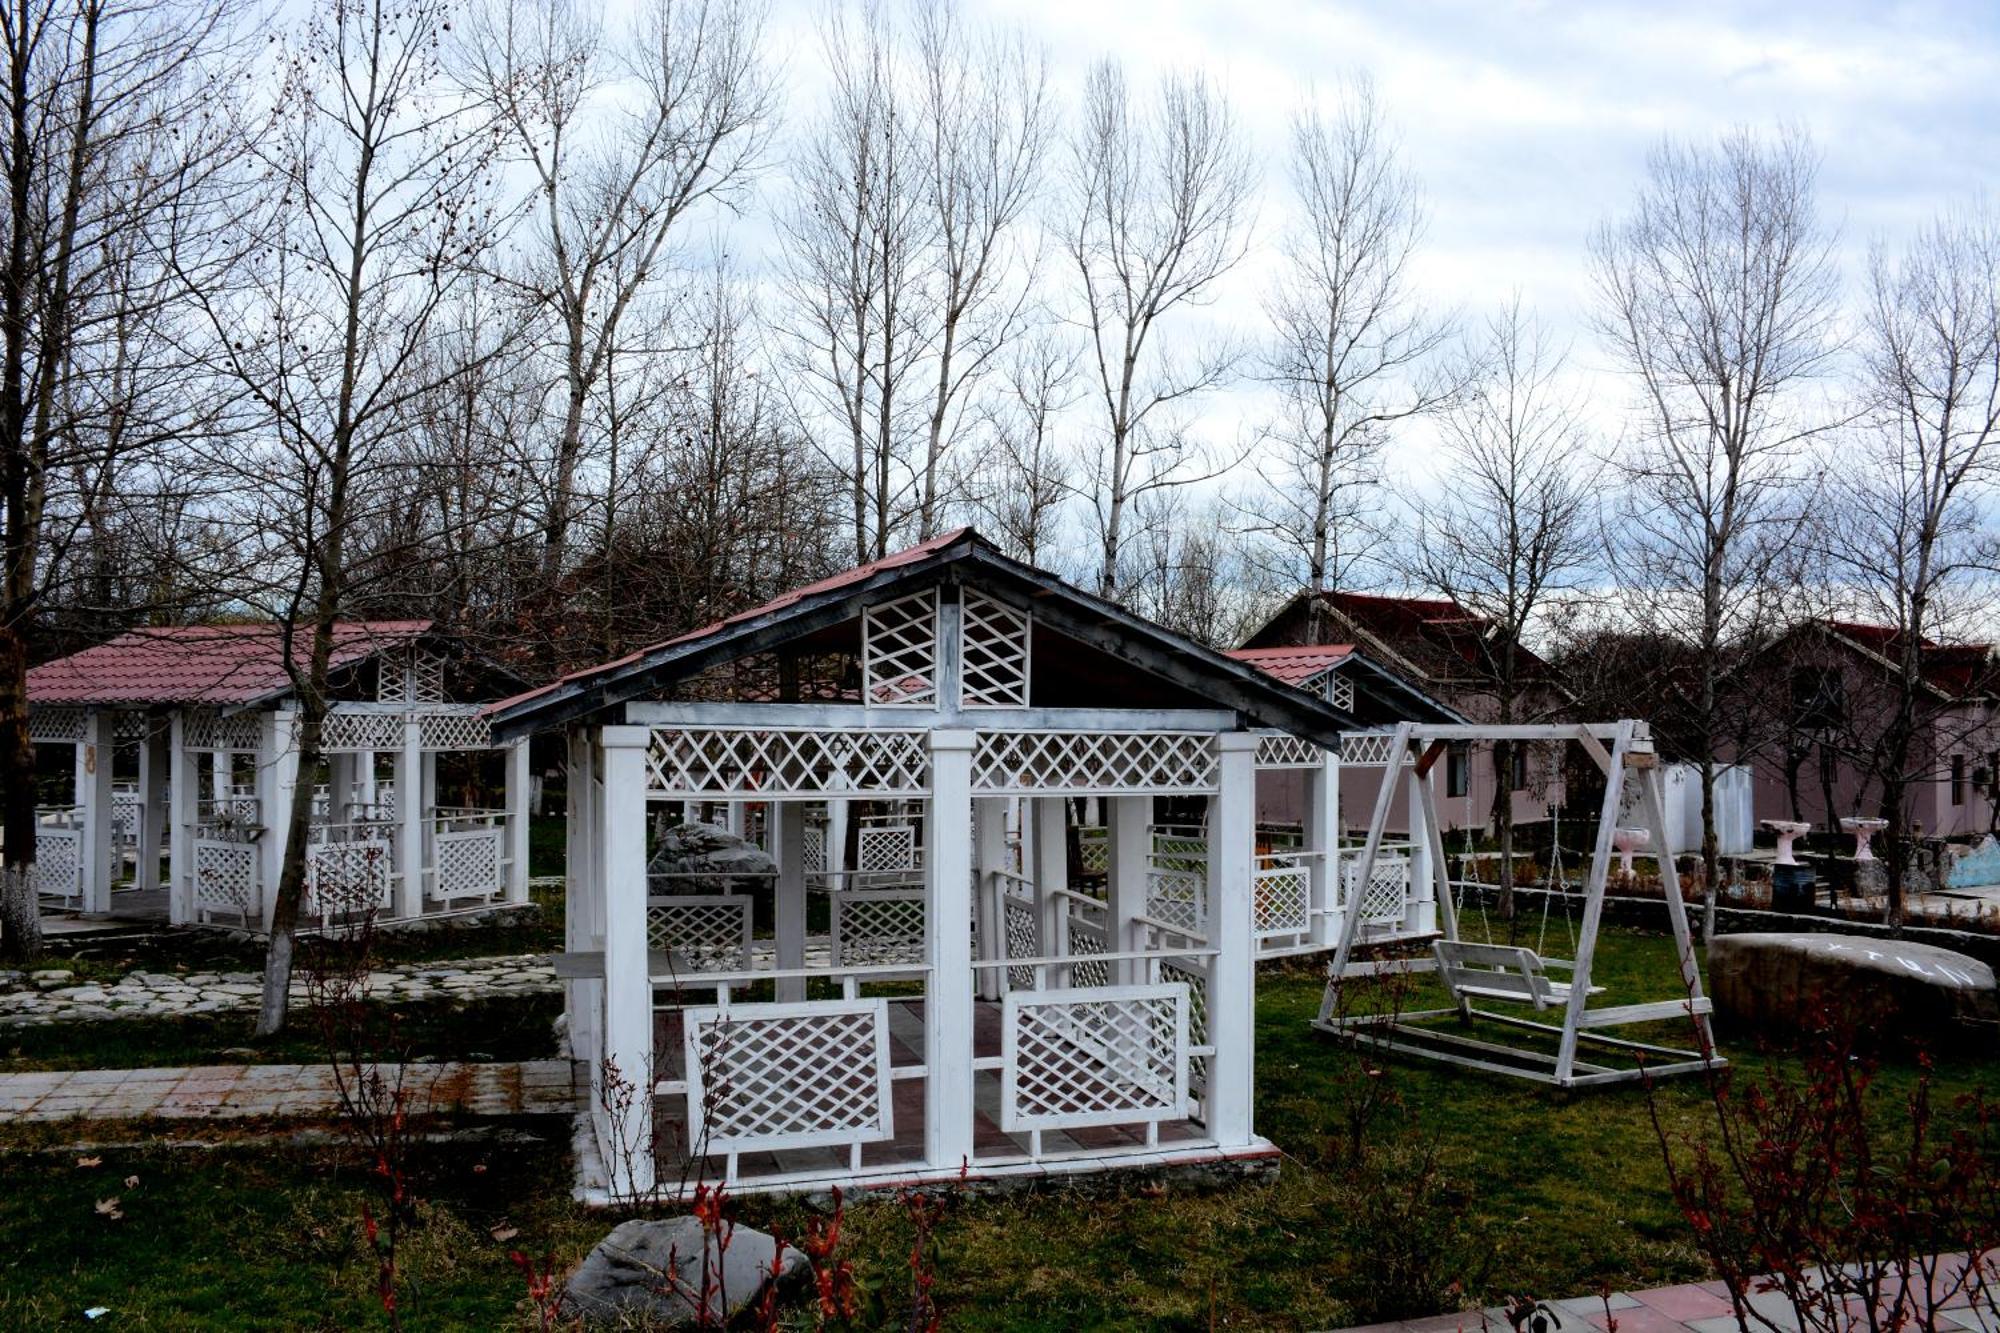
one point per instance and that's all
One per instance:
(1527, 123)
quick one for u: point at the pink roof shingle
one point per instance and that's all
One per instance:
(201, 664)
(1294, 666)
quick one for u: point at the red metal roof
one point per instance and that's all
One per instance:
(1954, 669)
(908, 555)
(1294, 666)
(202, 664)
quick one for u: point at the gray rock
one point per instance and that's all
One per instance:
(714, 858)
(625, 1276)
(1887, 989)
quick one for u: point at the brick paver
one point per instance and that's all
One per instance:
(300, 1092)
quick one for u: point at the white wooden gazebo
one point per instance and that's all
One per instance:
(1029, 997)
(185, 745)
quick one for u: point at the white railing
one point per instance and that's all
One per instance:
(350, 871)
(1281, 896)
(867, 925)
(703, 932)
(59, 853)
(468, 853)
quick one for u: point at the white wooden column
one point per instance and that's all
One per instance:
(989, 857)
(583, 922)
(366, 761)
(1049, 865)
(785, 821)
(182, 798)
(836, 844)
(154, 764)
(1232, 991)
(734, 817)
(1422, 914)
(518, 811)
(1128, 844)
(948, 951)
(1322, 833)
(96, 846)
(628, 987)
(411, 798)
(278, 777)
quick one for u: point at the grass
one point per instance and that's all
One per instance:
(1557, 1193)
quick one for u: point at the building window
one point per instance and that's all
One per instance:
(1958, 779)
(1518, 767)
(1457, 769)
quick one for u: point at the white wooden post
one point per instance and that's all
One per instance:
(628, 987)
(785, 821)
(583, 905)
(1232, 990)
(221, 775)
(836, 844)
(1421, 913)
(1322, 834)
(182, 797)
(277, 777)
(989, 856)
(1128, 840)
(154, 764)
(366, 761)
(518, 810)
(98, 847)
(733, 817)
(948, 950)
(1050, 862)
(411, 799)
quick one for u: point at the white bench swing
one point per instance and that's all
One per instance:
(1515, 975)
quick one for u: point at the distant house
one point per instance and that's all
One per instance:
(1441, 653)
(1835, 684)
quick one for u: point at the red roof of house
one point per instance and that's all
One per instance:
(1954, 669)
(859, 573)
(202, 664)
(1295, 666)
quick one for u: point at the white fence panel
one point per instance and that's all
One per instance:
(870, 927)
(708, 931)
(771, 1077)
(1094, 1056)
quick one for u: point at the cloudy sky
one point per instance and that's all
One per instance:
(1528, 123)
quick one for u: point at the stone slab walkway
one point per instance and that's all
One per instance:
(1703, 1307)
(54, 995)
(300, 1092)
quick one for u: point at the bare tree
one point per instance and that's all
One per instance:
(1717, 293)
(372, 214)
(1910, 526)
(1512, 527)
(1022, 481)
(623, 141)
(1352, 351)
(987, 122)
(108, 131)
(1157, 213)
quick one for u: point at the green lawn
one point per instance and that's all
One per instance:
(1538, 1193)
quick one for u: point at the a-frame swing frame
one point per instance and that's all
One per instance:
(1414, 750)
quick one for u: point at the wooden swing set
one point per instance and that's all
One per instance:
(1473, 972)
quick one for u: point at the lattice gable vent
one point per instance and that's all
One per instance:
(899, 650)
(410, 675)
(996, 652)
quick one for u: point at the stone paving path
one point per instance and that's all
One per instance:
(301, 1092)
(1703, 1307)
(54, 995)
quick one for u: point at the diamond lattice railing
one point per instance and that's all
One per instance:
(1367, 749)
(1106, 1056)
(780, 1076)
(1279, 750)
(710, 932)
(58, 863)
(468, 864)
(872, 927)
(1093, 761)
(347, 877)
(225, 876)
(1388, 892)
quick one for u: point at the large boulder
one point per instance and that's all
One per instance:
(626, 1279)
(1886, 989)
(714, 860)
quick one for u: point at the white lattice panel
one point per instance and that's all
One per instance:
(126, 811)
(455, 731)
(1193, 975)
(886, 847)
(1093, 850)
(1087, 941)
(899, 651)
(1367, 749)
(210, 731)
(55, 725)
(994, 662)
(1340, 691)
(1100, 1056)
(128, 728)
(354, 732)
(1132, 762)
(873, 927)
(710, 932)
(467, 864)
(771, 1077)
(59, 863)
(1281, 899)
(1388, 893)
(1278, 750)
(348, 877)
(410, 675)
(1022, 927)
(717, 762)
(225, 876)
(815, 851)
